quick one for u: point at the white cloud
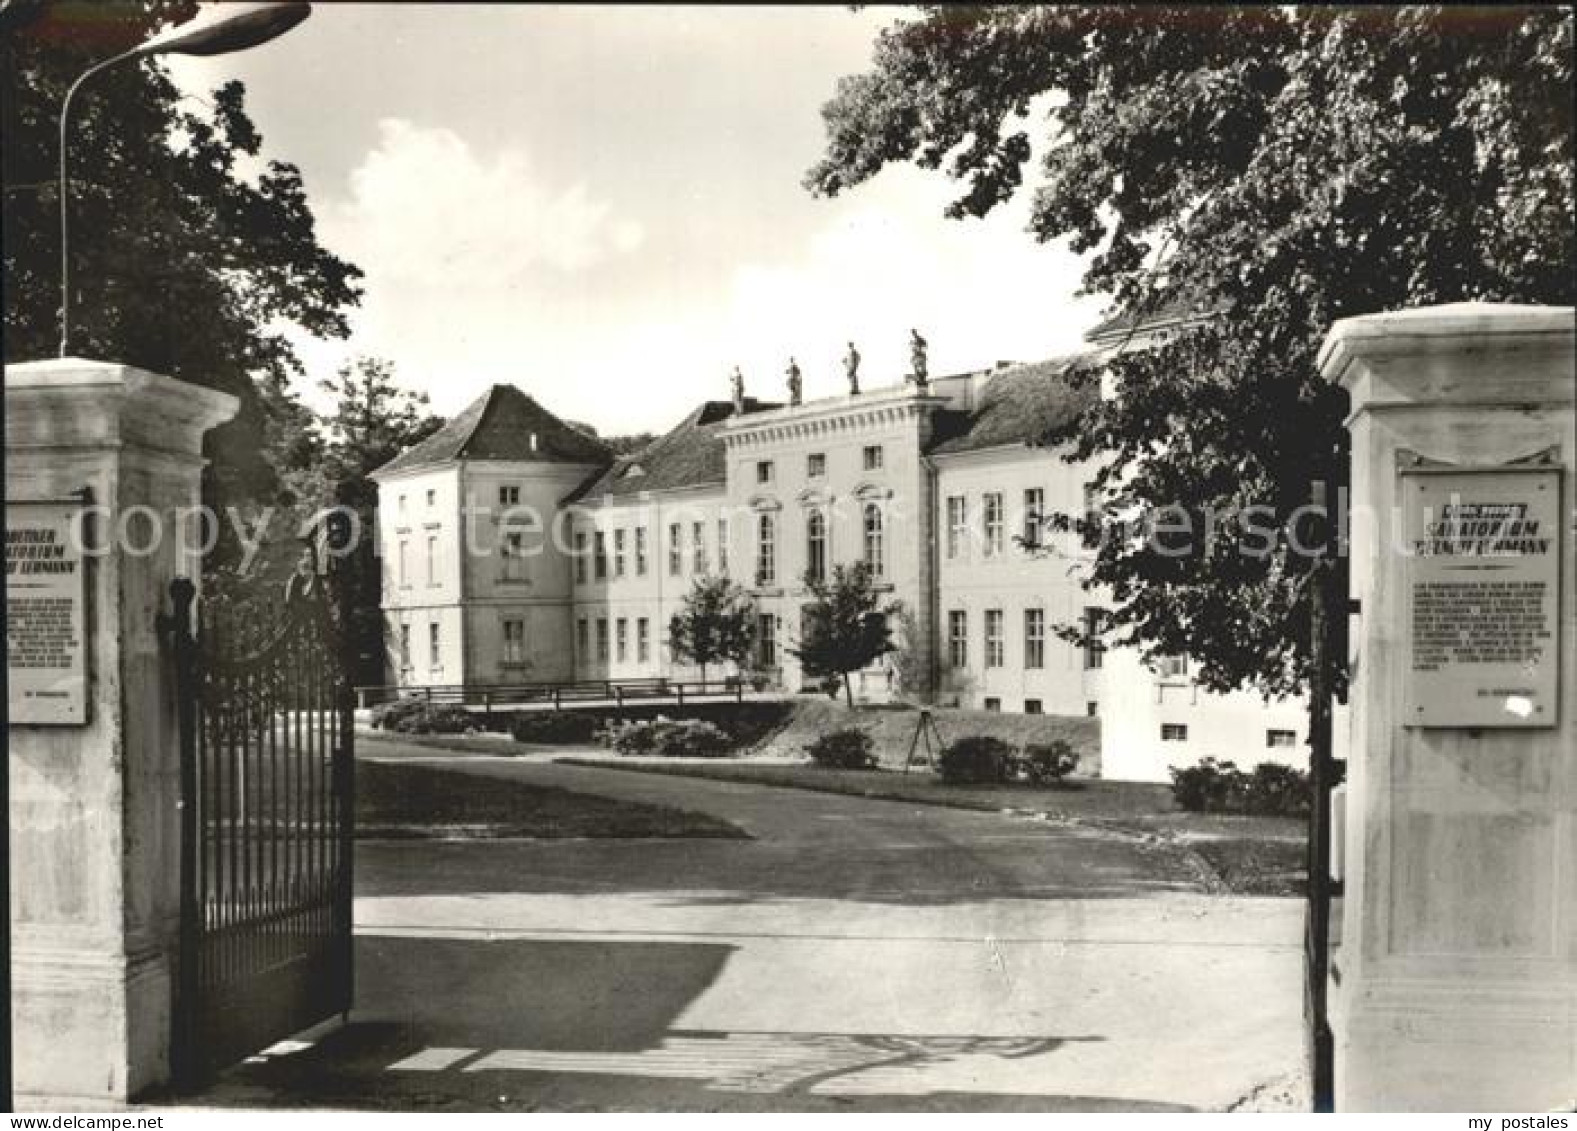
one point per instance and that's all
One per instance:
(426, 209)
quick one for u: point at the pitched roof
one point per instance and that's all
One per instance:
(1023, 404)
(501, 425)
(1169, 311)
(690, 455)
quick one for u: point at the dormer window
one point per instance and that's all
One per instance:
(634, 471)
(533, 441)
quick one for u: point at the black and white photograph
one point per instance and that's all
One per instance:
(692, 558)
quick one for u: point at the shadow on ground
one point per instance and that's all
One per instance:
(463, 1025)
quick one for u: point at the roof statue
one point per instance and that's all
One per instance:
(851, 369)
(796, 386)
(736, 383)
(917, 360)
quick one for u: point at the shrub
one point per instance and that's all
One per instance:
(1043, 764)
(385, 716)
(553, 727)
(1278, 791)
(666, 738)
(417, 716)
(692, 738)
(975, 760)
(847, 749)
(1272, 790)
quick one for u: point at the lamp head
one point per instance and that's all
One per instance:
(222, 28)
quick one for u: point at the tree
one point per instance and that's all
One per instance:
(185, 261)
(373, 420)
(844, 628)
(1277, 168)
(714, 625)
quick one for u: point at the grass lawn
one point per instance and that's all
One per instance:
(1249, 855)
(394, 800)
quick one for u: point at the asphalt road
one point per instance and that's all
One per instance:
(855, 954)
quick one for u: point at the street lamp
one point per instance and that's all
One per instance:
(219, 29)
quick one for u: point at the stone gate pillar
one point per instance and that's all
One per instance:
(94, 758)
(1454, 980)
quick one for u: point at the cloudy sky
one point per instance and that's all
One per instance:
(603, 206)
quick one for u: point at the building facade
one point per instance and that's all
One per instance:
(518, 549)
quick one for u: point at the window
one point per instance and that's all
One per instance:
(1092, 708)
(600, 557)
(432, 498)
(767, 640)
(1033, 707)
(514, 556)
(816, 546)
(764, 471)
(618, 553)
(993, 523)
(405, 647)
(434, 646)
(766, 550)
(675, 551)
(432, 560)
(993, 704)
(509, 495)
(1173, 667)
(1094, 646)
(643, 640)
(698, 546)
(957, 525)
(993, 638)
(873, 538)
(602, 639)
(580, 558)
(401, 507)
(815, 465)
(1280, 739)
(1034, 514)
(722, 545)
(621, 639)
(958, 639)
(640, 551)
(1094, 520)
(1174, 732)
(514, 642)
(1034, 638)
(871, 457)
(582, 641)
(402, 564)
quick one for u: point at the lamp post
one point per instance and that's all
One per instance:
(220, 29)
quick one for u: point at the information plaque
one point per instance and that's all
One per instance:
(46, 614)
(1483, 596)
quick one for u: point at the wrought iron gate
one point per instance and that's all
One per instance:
(265, 705)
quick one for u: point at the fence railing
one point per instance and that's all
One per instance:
(489, 696)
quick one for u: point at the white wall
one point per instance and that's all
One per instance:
(1138, 702)
(973, 581)
(656, 593)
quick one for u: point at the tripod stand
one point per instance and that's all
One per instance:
(924, 731)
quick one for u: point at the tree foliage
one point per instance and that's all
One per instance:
(191, 253)
(714, 625)
(844, 628)
(1278, 167)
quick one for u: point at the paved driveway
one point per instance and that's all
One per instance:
(854, 954)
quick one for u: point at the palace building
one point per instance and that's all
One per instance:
(517, 549)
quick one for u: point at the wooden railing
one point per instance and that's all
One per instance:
(556, 695)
